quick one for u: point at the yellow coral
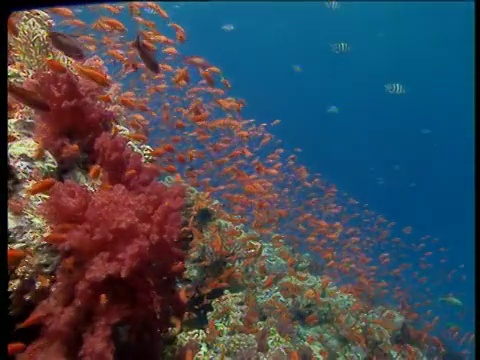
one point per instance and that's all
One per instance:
(31, 47)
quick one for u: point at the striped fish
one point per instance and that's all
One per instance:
(395, 88)
(332, 4)
(340, 48)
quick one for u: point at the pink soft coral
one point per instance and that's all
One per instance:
(120, 164)
(119, 269)
(77, 117)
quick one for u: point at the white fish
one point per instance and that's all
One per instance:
(425, 131)
(332, 109)
(332, 4)
(395, 88)
(228, 27)
(451, 301)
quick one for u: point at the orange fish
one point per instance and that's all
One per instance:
(171, 169)
(32, 320)
(15, 256)
(269, 281)
(170, 51)
(137, 137)
(114, 9)
(73, 22)
(208, 78)
(42, 186)
(56, 66)
(158, 9)
(93, 75)
(12, 25)
(112, 23)
(103, 299)
(55, 239)
(61, 11)
(16, 348)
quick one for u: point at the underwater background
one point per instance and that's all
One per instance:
(376, 97)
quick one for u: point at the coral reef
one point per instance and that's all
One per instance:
(118, 264)
(109, 248)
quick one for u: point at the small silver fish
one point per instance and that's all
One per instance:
(451, 301)
(228, 27)
(332, 109)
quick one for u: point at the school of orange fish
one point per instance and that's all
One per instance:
(183, 108)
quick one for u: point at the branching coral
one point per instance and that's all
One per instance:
(119, 253)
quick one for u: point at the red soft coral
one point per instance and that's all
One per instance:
(120, 164)
(76, 116)
(123, 246)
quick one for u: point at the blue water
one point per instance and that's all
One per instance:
(410, 157)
